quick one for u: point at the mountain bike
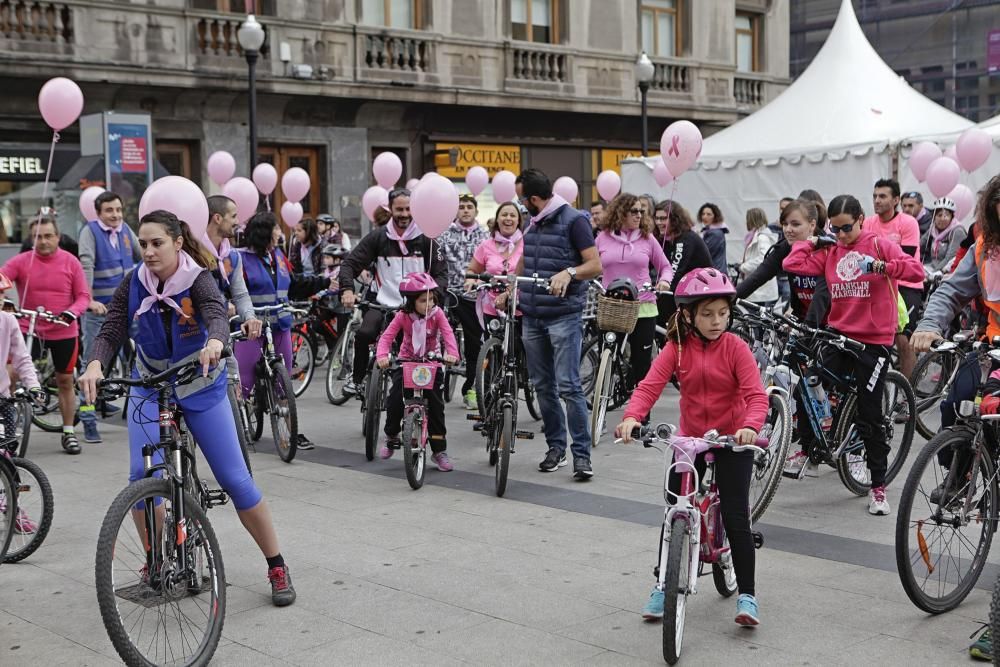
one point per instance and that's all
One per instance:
(375, 388)
(418, 376)
(8, 498)
(234, 394)
(693, 535)
(160, 580)
(338, 371)
(318, 326)
(303, 353)
(933, 377)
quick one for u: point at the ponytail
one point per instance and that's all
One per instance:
(178, 229)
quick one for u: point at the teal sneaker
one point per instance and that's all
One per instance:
(653, 611)
(747, 613)
(982, 648)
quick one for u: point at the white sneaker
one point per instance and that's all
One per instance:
(877, 504)
(794, 464)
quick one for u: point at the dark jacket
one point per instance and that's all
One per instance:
(685, 253)
(295, 257)
(715, 240)
(810, 298)
(548, 249)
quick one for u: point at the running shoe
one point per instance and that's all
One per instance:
(795, 464)
(443, 462)
(23, 525)
(552, 461)
(90, 432)
(582, 469)
(982, 648)
(653, 611)
(747, 613)
(282, 591)
(389, 447)
(877, 504)
(471, 400)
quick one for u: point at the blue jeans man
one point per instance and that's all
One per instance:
(552, 347)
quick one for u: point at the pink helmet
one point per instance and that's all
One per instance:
(417, 283)
(701, 284)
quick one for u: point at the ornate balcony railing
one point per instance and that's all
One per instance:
(36, 21)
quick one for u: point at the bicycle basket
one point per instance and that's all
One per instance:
(419, 375)
(616, 315)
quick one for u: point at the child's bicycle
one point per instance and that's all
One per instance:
(692, 535)
(418, 376)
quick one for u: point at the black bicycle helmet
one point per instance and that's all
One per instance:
(335, 250)
(622, 288)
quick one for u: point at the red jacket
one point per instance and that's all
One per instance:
(720, 386)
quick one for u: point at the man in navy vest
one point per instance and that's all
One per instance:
(559, 246)
(108, 251)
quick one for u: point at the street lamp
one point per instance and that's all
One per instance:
(644, 72)
(251, 37)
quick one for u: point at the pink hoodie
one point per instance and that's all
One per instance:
(15, 352)
(629, 255)
(437, 329)
(862, 305)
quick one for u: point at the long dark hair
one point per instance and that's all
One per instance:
(178, 229)
(679, 220)
(311, 230)
(259, 232)
(986, 216)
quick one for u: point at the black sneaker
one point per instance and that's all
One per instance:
(553, 460)
(303, 443)
(70, 443)
(582, 469)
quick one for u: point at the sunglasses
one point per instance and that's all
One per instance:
(843, 229)
(635, 211)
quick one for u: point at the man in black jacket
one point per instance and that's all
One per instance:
(391, 253)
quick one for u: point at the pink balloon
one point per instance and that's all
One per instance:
(60, 100)
(680, 146)
(265, 177)
(952, 152)
(476, 179)
(295, 184)
(87, 198)
(242, 191)
(965, 200)
(434, 205)
(374, 197)
(291, 213)
(566, 188)
(387, 169)
(609, 184)
(942, 176)
(179, 196)
(503, 187)
(973, 148)
(661, 174)
(221, 167)
(921, 157)
(412, 183)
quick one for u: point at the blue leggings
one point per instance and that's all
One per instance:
(215, 431)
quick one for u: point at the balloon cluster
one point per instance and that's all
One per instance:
(941, 170)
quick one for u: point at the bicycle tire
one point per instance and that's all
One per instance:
(254, 409)
(489, 370)
(915, 498)
(109, 547)
(238, 419)
(18, 550)
(590, 359)
(302, 369)
(48, 418)
(373, 411)
(849, 463)
(23, 422)
(8, 500)
(414, 454)
(530, 399)
(504, 444)
(768, 465)
(338, 371)
(929, 397)
(676, 584)
(602, 390)
(282, 389)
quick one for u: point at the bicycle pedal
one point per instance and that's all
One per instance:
(478, 428)
(524, 435)
(758, 539)
(473, 417)
(216, 497)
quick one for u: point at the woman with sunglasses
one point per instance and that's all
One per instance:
(861, 271)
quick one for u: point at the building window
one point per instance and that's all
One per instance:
(406, 14)
(534, 21)
(177, 158)
(968, 106)
(747, 42)
(258, 7)
(660, 27)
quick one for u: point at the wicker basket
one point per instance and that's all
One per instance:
(616, 315)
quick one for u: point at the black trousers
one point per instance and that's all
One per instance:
(640, 343)
(367, 334)
(436, 430)
(465, 312)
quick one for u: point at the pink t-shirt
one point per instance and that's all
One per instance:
(489, 254)
(903, 230)
(56, 282)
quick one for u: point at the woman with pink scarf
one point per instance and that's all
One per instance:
(498, 255)
(943, 238)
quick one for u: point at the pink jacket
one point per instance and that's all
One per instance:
(720, 386)
(13, 351)
(437, 329)
(625, 259)
(862, 305)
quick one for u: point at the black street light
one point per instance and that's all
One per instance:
(251, 37)
(644, 72)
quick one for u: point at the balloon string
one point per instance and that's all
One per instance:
(267, 201)
(38, 218)
(670, 207)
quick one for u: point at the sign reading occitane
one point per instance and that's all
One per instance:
(493, 157)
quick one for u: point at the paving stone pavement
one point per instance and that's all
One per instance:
(554, 573)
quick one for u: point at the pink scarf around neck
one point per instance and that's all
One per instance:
(185, 275)
(508, 243)
(411, 232)
(220, 255)
(419, 333)
(939, 237)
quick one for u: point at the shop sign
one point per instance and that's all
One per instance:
(493, 157)
(612, 158)
(21, 165)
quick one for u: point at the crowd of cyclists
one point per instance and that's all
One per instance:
(880, 281)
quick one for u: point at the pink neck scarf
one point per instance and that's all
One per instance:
(419, 334)
(938, 237)
(553, 204)
(185, 275)
(467, 230)
(224, 249)
(411, 232)
(508, 243)
(114, 231)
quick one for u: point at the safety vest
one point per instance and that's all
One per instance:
(993, 324)
(188, 335)
(262, 288)
(110, 263)
(225, 269)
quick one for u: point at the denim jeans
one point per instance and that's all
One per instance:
(552, 346)
(91, 326)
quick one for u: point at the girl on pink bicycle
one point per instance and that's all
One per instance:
(721, 389)
(424, 326)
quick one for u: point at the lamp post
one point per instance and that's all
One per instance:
(251, 37)
(644, 72)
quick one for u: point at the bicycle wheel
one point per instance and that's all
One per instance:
(414, 454)
(373, 411)
(767, 466)
(489, 371)
(155, 613)
(504, 444)
(284, 418)
(8, 503)
(35, 506)
(852, 464)
(302, 363)
(253, 408)
(676, 586)
(602, 396)
(338, 372)
(530, 399)
(22, 426)
(450, 381)
(930, 384)
(941, 548)
(240, 419)
(590, 359)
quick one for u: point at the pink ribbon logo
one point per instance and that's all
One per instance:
(674, 147)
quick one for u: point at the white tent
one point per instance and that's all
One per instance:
(833, 130)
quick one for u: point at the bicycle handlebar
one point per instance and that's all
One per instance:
(509, 278)
(178, 374)
(39, 314)
(666, 432)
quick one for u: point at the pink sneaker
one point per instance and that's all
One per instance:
(389, 448)
(23, 525)
(442, 461)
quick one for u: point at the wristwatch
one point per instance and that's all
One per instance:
(572, 272)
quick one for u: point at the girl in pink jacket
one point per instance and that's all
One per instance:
(424, 327)
(720, 389)
(861, 272)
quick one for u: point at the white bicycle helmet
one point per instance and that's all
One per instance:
(945, 203)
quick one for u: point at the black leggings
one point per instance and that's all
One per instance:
(367, 334)
(436, 430)
(640, 343)
(465, 313)
(733, 471)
